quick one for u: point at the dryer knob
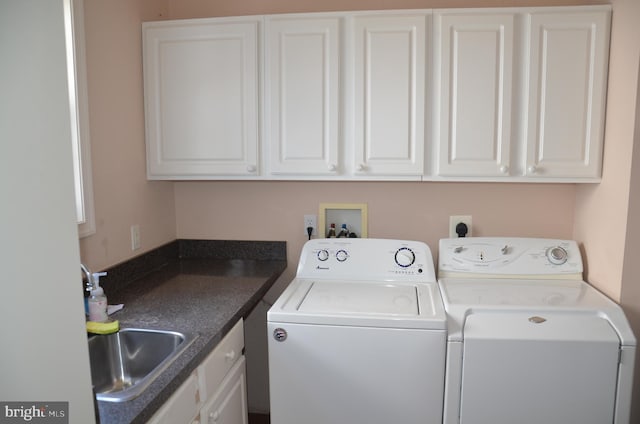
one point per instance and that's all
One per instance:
(557, 255)
(405, 257)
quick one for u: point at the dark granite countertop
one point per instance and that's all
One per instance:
(196, 295)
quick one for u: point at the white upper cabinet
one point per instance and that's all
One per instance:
(302, 91)
(474, 52)
(520, 93)
(201, 98)
(567, 66)
(483, 94)
(389, 73)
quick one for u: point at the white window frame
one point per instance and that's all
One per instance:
(79, 107)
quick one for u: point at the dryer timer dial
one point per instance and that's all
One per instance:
(405, 257)
(557, 255)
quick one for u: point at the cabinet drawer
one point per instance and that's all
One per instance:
(213, 369)
(183, 405)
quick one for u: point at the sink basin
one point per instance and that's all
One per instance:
(123, 364)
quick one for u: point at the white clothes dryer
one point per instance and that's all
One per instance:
(359, 336)
(529, 341)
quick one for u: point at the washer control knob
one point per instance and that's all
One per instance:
(342, 255)
(557, 255)
(323, 255)
(405, 257)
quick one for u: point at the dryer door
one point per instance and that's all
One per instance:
(552, 368)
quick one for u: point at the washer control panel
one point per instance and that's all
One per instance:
(367, 259)
(490, 257)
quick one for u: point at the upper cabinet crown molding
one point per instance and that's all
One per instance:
(482, 94)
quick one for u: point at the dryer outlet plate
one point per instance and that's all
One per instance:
(457, 219)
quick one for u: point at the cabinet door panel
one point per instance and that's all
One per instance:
(182, 407)
(201, 93)
(389, 94)
(229, 404)
(474, 54)
(566, 98)
(303, 106)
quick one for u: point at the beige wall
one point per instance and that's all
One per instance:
(606, 214)
(404, 210)
(630, 296)
(123, 196)
(601, 210)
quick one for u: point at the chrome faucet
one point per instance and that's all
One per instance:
(89, 277)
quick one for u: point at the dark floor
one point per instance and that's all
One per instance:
(258, 419)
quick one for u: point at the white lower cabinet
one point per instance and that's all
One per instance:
(182, 407)
(229, 404)
(216, 392)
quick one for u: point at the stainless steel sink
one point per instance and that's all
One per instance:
(123, 364)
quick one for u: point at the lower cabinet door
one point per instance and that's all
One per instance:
(182, 407)
(228, 405)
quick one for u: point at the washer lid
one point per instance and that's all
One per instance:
(370, 304)
(361, 298)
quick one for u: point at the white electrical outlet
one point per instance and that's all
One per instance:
(135, 237)
(311, 221)
(454, 220)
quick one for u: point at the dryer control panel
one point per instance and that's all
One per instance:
(509, 257)
(367, 259)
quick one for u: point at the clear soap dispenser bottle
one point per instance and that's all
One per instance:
(97, 300)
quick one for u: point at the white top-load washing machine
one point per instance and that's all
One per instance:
(359, 336)
(528, 340)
